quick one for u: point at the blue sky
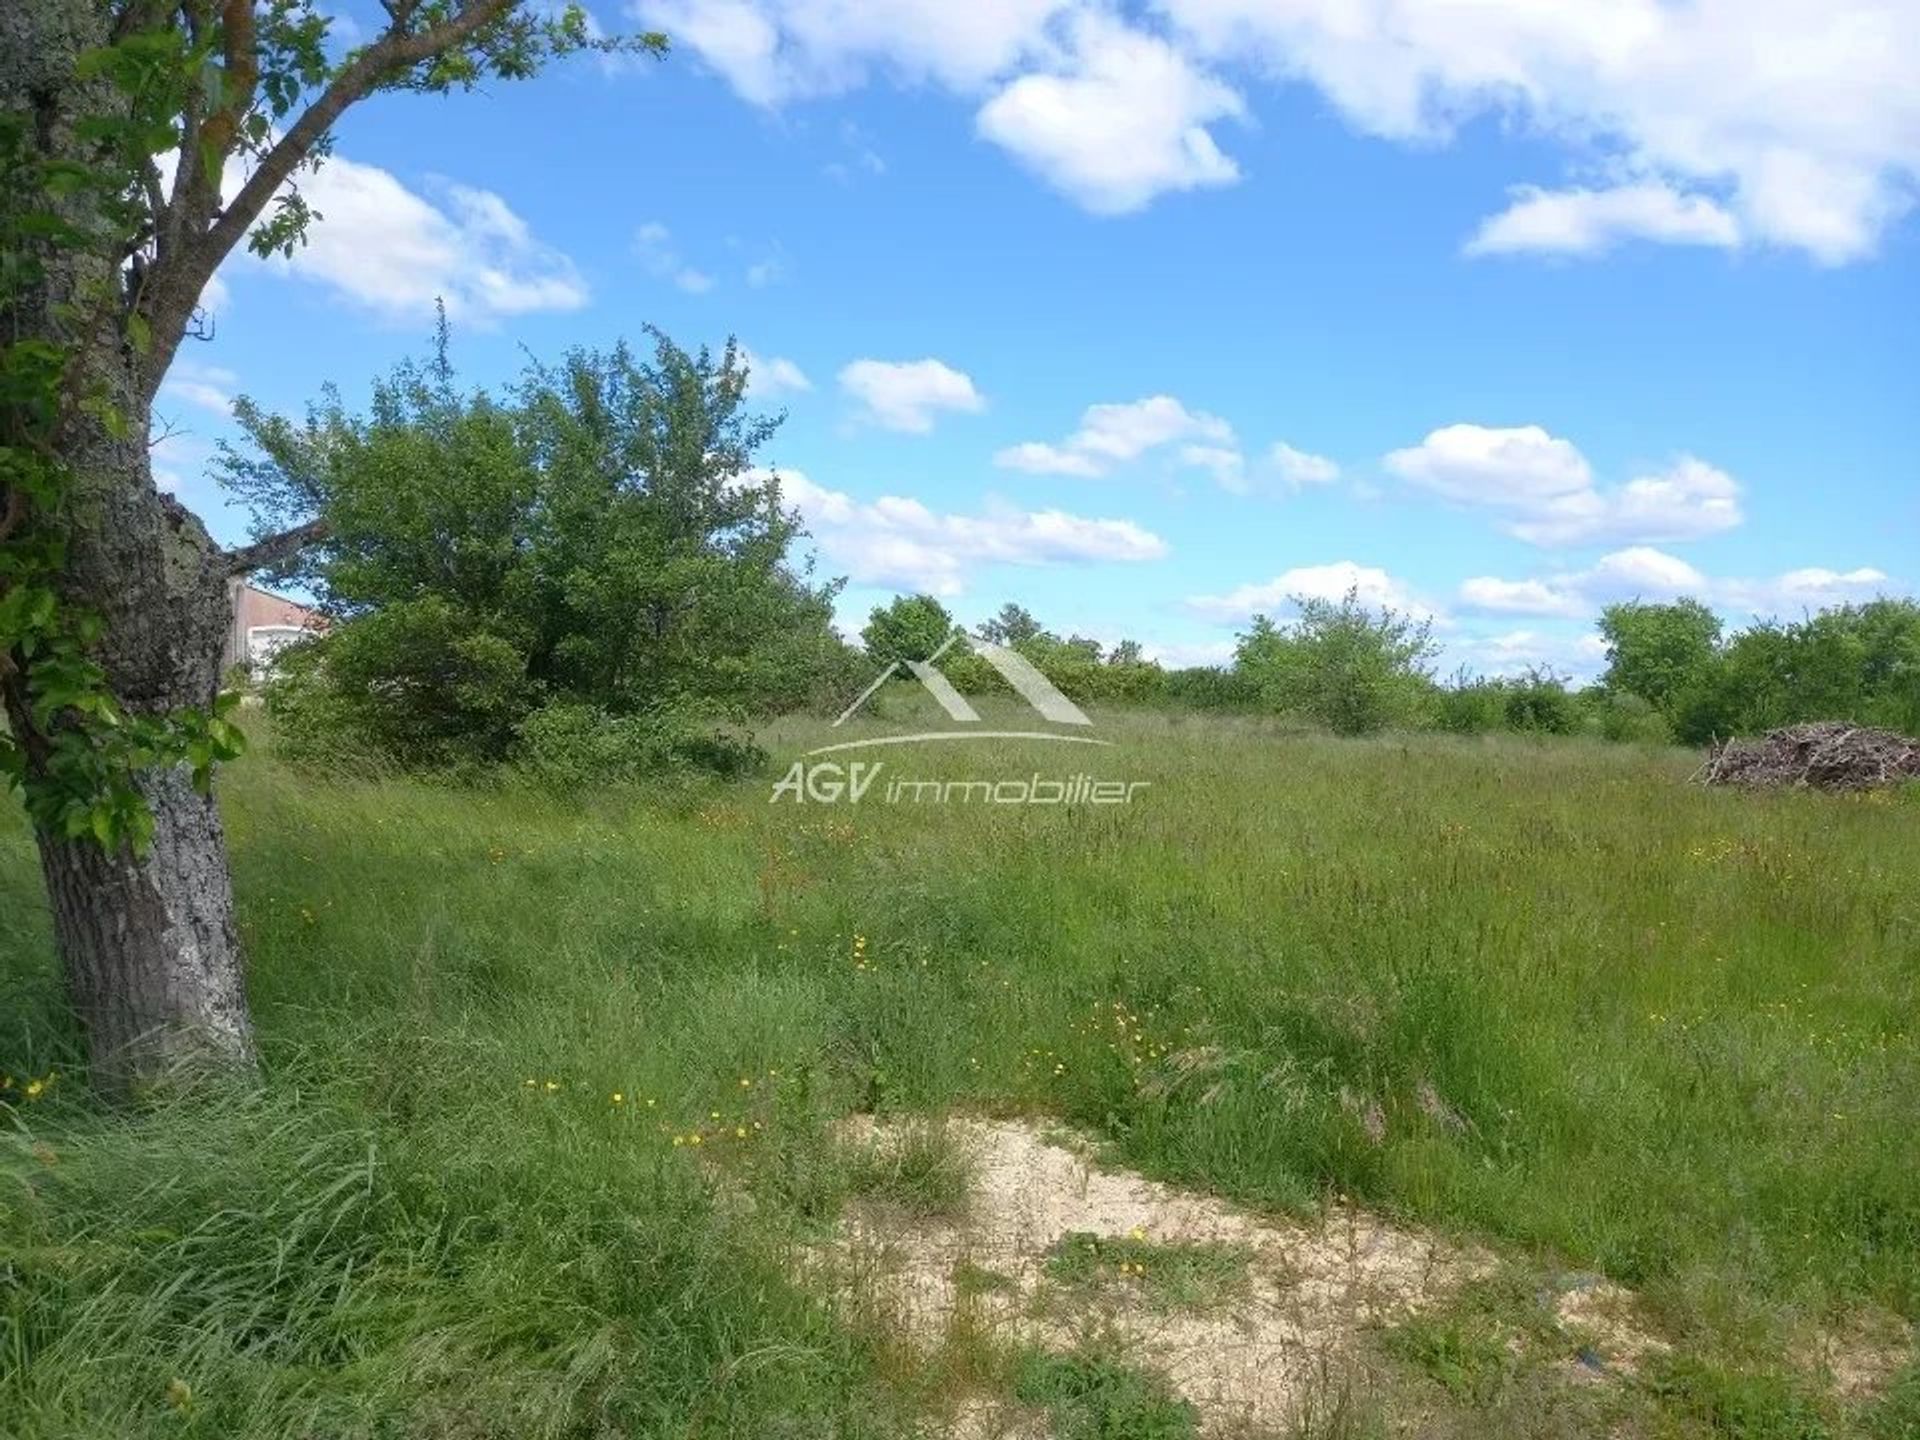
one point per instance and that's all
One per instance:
(1149, 317)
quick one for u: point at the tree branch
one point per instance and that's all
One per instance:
(275, 549)
(240, 78)
(181, 280)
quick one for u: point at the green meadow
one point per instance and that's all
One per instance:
(553, 1083)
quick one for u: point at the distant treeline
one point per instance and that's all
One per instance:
(1673, 673)
(590, 578)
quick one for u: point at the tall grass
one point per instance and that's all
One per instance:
(1542, 993)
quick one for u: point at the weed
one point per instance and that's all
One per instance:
(1095, 1395)
(1169, 1276)
(919, 1171)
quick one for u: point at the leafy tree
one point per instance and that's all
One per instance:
(911, 627)
(113, 598)
(1658, 652)
(1622, 717)
(1353, 669)
(1470, 704)
(1075, 665)
(1852, 662)
(1538, 702)
(596, 541)
(1013, 625)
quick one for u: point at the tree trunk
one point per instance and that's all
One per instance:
(147, 944)
(146, 941)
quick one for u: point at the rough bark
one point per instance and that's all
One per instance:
(146, 941)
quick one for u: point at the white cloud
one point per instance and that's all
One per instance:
(1519, 597)
(901, 542)
(1641, 572)
(1226, 464)
(1579, 655)
(1037, 457)
(395, 252)
(735, 37)
(1106, 112)
(1179, 654)
(654, 246)
(1511, 652)
(1118, 120)
(1793, 123)
(1374, 587)
(1545, 488)
(1114, 434)
(773, 51)
(209, 387)
(773, 375)
(1806, 115)
(1809, 589)
(1299, 468)
(1689, 499)
(907, 394)
(1482, 465)
(1592, 222)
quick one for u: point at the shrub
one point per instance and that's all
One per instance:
(1211, 687)
(569, 746)
(420, 683)
(1471, 706)
(597, 542)
(909, 628)
(1625, 718)
(1346, 666)
(1538, 703)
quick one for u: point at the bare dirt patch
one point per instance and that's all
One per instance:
(1048, 1248)
(1604, 1317)
(1861, 1357)
(1247, 1361)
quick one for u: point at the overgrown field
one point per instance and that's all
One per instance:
(529, 1056)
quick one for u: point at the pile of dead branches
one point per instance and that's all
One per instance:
(1826, 755)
